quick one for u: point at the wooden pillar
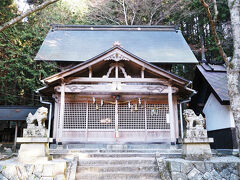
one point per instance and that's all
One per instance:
(142, 72)
(171, 114)
(116, 71)
(116, 119)
(87, 121)
(56, 118)
(145, 115)
(90, 72)
(62, 107)
(15, 136)
(181, 119)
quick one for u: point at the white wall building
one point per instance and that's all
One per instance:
(212, 100)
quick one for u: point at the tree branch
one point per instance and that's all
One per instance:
(102, 12)
(27, 13)
(153, 12)
(215, 11)
(122, 3)
(172, 8)
(133, 18)
(125, 12)
(214, 31)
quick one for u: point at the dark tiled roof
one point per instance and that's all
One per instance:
(214, 68)
(16, 112)
(216, 77)
(155, 44)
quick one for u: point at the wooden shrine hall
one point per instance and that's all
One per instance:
(115, 85)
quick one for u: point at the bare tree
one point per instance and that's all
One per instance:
(233, 65)
(129, 12)
(27, 13)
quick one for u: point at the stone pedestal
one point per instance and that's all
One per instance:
(196, 146)
(34, 131)
(34, 145)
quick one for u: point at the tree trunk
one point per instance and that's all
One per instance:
(233, 68)
(233, 91)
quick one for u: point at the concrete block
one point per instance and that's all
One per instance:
(33, 177)
(225, 173)
(234, 177)
(59, 167)
(196, 151)
(208, 176)
(46, 178)
(200, 166)
(215, 174)
(47, 170)
(175, 166)
(3, 177)
(21, 172)
(38, 170)
(209, 166)
(10, 172)
(59, 177)
(179, 176)
(186, 167)
(33, 152)
(193, 173)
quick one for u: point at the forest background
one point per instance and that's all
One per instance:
(20, 75)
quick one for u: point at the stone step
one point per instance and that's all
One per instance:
(117, 168)
(84, 155)
(117, 146)
(58, 151)
(118, 176)
(117, 161)
(119, 155)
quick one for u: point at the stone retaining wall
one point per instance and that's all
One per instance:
(51, 170)
(222, 168)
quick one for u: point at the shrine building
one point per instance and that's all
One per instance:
(115, 84)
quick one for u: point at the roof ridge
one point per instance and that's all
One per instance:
(115, 27)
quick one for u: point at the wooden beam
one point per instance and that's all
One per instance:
(77, 69)
(112, 88)
(123, 80)
(171, 115)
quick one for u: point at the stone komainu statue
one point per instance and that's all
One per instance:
(192, 119)
(40, 117)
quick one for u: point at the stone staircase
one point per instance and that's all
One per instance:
(118, 168)
(118, 162)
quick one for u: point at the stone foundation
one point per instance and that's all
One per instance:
(224, 168)
(50, 170)
(34, 149)
(196, 145)
(196, 151)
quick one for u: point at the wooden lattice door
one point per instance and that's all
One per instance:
(90, 122)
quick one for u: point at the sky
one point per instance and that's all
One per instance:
(22, 5)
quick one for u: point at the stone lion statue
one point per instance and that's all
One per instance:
(39, 117)
(191, 118)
